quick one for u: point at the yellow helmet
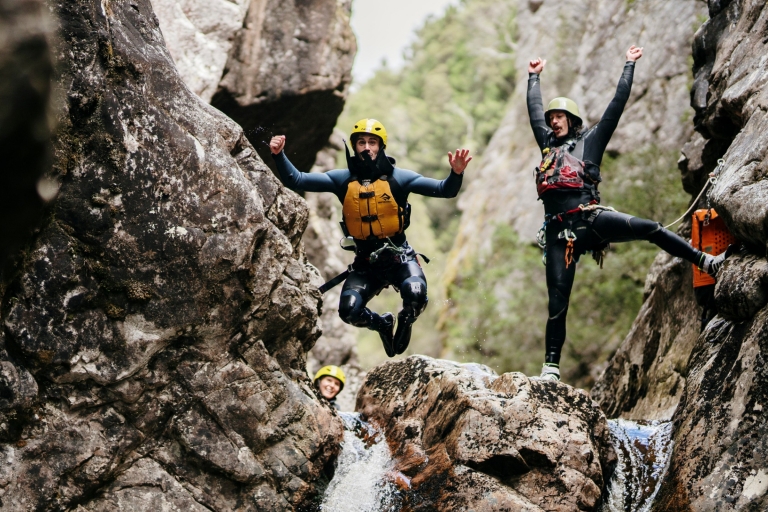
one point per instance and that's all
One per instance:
(371, 126)
(331, 371)
(565, 105)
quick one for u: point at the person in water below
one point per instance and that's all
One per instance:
(375, 210)
(329, 381)
(567, 182)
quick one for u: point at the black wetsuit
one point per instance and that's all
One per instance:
(401, 271)
(595, 229)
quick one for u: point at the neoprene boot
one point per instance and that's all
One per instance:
(384, 324)
(711, 264)
(403, 331)
(550, 372)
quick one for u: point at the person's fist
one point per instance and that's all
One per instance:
(277, 144)
(634, 53)
(536, 66)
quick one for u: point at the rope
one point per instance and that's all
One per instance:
(712, 179)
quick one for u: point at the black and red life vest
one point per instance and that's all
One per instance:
(563, 167)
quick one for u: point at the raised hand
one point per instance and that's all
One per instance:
(459, 161)
(277, 144)
(634, 53)
(536, 66)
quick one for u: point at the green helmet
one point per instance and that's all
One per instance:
(564, 105)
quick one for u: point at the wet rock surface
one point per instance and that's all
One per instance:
(465, 438)
(155, 338)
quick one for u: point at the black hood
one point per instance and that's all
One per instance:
(364, 168)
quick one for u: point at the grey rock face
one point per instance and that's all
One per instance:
(161, 317)
(720, 436)
(25, 73)
(274, 66)
(645, 379)
(199, 36)
(289, 72)
(467, 439)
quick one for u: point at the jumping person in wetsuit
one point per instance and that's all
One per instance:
(567, 182)
(374, 194)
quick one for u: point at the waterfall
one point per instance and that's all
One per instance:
(644, 450)
(362, 482)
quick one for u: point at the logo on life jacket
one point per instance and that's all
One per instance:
(369, 212)
(561, 168)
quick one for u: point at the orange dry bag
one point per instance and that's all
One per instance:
(708, 234)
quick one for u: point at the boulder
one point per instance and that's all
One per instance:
(274, 66)
(160, 320)
(288, 72)
(465, 438)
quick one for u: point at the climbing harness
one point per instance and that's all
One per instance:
(594, 209)
(383, 257)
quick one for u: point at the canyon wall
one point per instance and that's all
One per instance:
(717, 404)
(155, 334)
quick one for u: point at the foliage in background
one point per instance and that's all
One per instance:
(503, 311)
(451, 92)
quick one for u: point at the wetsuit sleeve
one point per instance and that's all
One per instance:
(302, 181)
(597, 139)
(416, 183)
(536, 111)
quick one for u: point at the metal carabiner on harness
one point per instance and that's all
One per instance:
(400, 252)
(570, 237)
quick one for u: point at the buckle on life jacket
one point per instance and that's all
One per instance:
(369, 218)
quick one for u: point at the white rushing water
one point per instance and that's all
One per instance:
(361, 483)
(644, 450)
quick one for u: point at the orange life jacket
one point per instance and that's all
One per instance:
(370, 210)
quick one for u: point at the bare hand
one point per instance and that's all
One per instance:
(277, 144)
(634, 53)
(460, 161)
(536, 66)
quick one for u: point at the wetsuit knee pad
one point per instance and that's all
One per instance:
(351, 306)
(645, 229)
(414, 293)
(558, 304)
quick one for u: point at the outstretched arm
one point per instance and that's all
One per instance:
(448, 187)
(602, 133)
(535, 104)
(292, 177)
